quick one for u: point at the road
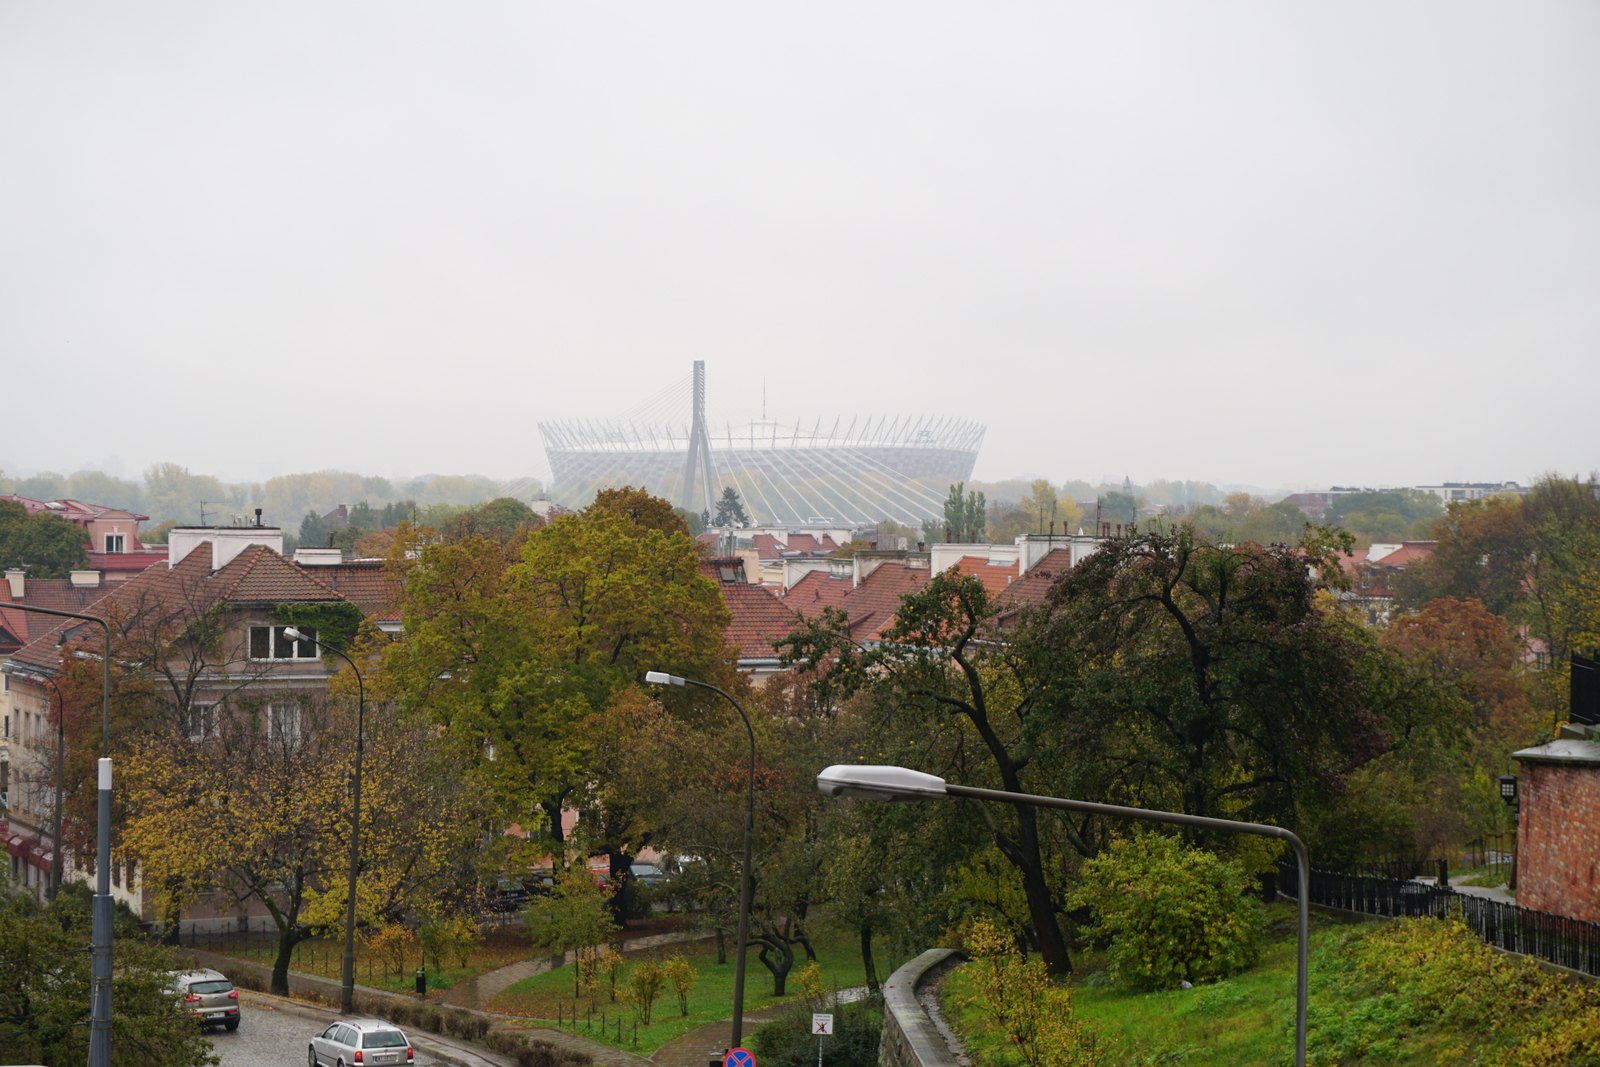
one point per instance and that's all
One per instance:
(274, 1036)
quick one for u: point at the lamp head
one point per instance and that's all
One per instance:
(292, 634)
(662, 678)
(879, 783)
(1508, 788)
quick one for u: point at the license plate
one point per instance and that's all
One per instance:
(391, 1058)
(215, 1014)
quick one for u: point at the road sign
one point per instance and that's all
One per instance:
(821, 1024)
(739, 1057)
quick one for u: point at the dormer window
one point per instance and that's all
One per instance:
(116, 542)
(269, 643)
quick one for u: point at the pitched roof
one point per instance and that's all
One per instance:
(760, 619)
(871, 605)
(259, 575)
(1031, 589)
(365, 583)
(996, 577)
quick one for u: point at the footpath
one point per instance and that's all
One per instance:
(476, 993)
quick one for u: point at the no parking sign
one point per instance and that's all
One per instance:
(739, 1057)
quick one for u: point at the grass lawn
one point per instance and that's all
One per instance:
(1410, 991)
(1248, 1019)
(548, 997)
(325, 956)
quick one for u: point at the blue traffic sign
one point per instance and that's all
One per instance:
(739, 1057)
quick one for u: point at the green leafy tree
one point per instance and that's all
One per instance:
(574, 917)
(730, 511)
(1171, 913)
(966, 516)
(45, 983)
(46, 545)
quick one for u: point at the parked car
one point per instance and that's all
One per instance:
(508, 894)
(360, 1041)
(648, 873)
(210, 996)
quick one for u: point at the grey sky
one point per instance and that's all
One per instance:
(1263, 243)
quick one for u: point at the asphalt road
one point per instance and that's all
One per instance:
(269, 1036)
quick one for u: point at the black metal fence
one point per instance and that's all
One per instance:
(1572, 943)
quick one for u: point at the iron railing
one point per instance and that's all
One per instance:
(1566, 942)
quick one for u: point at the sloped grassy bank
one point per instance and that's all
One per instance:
(1412, 991)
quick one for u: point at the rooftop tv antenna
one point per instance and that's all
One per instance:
(699, 458)
(203, 504)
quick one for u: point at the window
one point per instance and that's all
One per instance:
(268, 642)
(283, 722)
(202, 721)
(116, 542)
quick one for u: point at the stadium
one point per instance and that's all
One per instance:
(833, 472)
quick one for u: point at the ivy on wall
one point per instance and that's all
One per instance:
(336, 624)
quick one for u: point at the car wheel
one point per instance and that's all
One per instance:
(231, 1025)
(311, 1057)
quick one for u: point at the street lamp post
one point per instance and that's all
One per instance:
(347, 977)
(100, 913)
(745, 876)
(902, 783)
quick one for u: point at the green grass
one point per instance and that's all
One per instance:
(547, 996)
(1410, 991)
(1247, 1019)
(324, 957)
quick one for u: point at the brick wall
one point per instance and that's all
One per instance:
(1558, 839)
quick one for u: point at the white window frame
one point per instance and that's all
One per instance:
(203, 716)
(283, 722)
(116, 543)
(277, 644)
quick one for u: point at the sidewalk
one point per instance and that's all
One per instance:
(705, 1043)
(477, 992)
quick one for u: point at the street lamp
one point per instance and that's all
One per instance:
(100, 913)
(662, 678)
(347, 978)
(902, 784)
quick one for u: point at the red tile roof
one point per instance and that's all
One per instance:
(1032, 587)
(995, 578)
(871, 606)
(760, 619)
(257, 575)
(366, 583)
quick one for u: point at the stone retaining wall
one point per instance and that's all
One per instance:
(910, 1038)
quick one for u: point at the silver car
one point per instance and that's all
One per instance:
(360, 1041)
(209, 996)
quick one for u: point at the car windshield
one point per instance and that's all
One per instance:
(383, 1039)
(210, 987)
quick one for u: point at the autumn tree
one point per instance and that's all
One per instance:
(642, 509)
(260, 810)
(964, 516)
(513, 650)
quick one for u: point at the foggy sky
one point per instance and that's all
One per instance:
(1249, 242)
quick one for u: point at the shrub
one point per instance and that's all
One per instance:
(857, 1032)
(534, 1053)
(1037, 1019)
(644, 986)
(1171, 913)
(681, 976)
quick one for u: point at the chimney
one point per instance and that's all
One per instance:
(258, 516)
(85, 579)
(17, 578)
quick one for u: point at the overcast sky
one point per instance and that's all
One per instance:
(1263, 243)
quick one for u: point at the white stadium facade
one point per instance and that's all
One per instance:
(837, 472)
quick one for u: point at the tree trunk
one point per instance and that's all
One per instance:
(287, 940)
(722, 946)
(780, 966)
(866, 959)
(622, 901)
(1024, 855)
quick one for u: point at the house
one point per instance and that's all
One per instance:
(234, 574)
(115, 551)
(1372, 571)
(760, 618)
